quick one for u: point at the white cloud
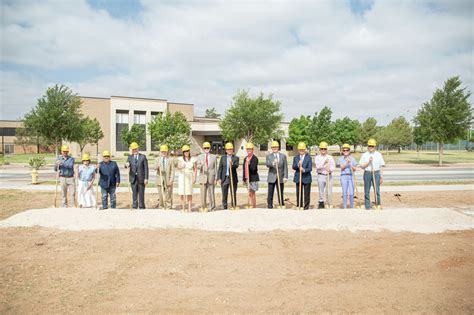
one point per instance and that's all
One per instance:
(307, 54)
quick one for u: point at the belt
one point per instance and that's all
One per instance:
(324, 174)
(346, 174)
(66, 176)
(371, 171)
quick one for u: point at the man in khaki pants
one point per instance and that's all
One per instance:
(165, 178)
(65, 165)
(207, 176)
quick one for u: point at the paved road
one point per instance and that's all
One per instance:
(390, 175)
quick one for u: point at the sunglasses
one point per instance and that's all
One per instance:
(371, 146)
(106, 157)
(323, 149)
(345, 150)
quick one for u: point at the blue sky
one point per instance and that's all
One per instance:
(362, 58)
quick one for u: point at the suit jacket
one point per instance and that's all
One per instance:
(138, 171)
(307, 166)
(167, 170)
(282, 167)
(253, 169)
(206, 174)
(109, 174)
(223, 168)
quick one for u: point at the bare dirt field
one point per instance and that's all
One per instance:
(190, 271)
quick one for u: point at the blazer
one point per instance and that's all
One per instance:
(272, 170)
(223, 168)
(138, 172)
(307, 167)
(109, 174)
(167, 171)
(206, 174)
(253, 169)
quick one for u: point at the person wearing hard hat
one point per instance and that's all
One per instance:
(86, 177)
(109, 180)
(186, 177)
(372, 160)
(346, 162)
(165, 169)
(325, 166)
(276, 160)
(250, 174)
(207, 177)
(137, 164)
(65, 165)
(302, 162)
(224, 173)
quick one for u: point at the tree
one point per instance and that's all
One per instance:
(212, 113)
(447, 116)
(88, 131)
(171, 129)
(253, 119)
(368, 129)
(134, 134)
(298, 130)
(397, 134)
(346, 130)
(321, 127)
(55, 116)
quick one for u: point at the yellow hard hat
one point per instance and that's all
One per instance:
(86, 157)
(134, 146)
(206, 145)
(249, 145)
(323, 145)
(275, 144)
(229, 145)
(64, 148)
(372, 142)
(185, 148)
(163, 148)
(301, 146)
(346, 146)
(106, 153)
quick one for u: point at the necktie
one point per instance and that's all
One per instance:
(207, 161)
(228, 165)
(164, 163)
(276, 158)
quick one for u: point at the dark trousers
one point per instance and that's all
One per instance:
(138, 191)
(271, 191)
(225, 190)
(105, 194)
(368, 182)
(306, 195)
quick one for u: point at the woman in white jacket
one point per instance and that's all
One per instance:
(86, 176)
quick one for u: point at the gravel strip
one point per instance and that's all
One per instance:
(419, 220)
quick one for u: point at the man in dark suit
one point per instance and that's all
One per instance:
(224, 173)
(275, 160)
(302, 162)
(137, 175)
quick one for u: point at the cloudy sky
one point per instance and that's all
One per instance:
(362, 58)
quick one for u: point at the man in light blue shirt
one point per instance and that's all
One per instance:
(372, 161)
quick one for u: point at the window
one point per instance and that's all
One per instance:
(9, 149)
(139, 118)
(120, 124)
(264, 147)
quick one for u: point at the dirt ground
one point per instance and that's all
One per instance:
(185, 271)
(14, 201)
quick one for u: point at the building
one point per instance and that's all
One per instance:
(8, 131)
(120, 112)
(117, 113)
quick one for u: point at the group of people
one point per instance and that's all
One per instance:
(208, 171)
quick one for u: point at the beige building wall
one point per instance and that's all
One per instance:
(99, 108)
(9, 141)
(186, 109)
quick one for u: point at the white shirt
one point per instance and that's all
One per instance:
(377, 160)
